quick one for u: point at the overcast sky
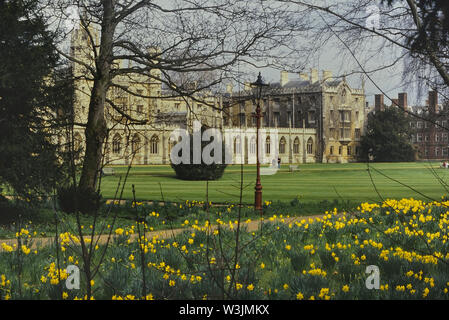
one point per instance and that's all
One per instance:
(336, 58)
(390, 80)
(340, 62)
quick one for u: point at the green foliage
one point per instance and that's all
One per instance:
(286, 261)
(3, 199)
(10, 211)
(434, 16)
(387, 137)
(201, 171)
(28, 100)
(72, 199)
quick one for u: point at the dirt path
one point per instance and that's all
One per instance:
(251, 226)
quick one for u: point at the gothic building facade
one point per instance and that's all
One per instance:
(142, 99)
(318, 119)
(306, 119)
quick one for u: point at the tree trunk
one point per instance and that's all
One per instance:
(96, 129)
(96, 132)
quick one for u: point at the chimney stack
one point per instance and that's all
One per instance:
(433, 101)
(229, 88)
(304, 76)
(395, 102)
(284, 78)
(327, 75)
(379, 102)
(402, 97)
(313, 75)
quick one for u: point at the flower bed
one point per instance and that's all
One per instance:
(324, 258)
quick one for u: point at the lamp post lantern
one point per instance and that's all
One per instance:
(257, 90)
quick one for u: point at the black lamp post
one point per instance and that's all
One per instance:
(257, 91)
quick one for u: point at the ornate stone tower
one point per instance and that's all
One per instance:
(83, 44)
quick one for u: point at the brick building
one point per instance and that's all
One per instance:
(428, 123)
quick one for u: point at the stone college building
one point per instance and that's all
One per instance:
(313, 117)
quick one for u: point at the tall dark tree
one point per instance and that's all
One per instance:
(28, 161)
(387, 137)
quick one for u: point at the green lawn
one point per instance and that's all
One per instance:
(314, 182)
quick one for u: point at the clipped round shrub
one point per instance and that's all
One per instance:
(200, 171)
(72, 199)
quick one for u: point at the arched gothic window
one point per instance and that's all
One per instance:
(296, 145)
(268, 145)
(237, 145)
(310, 146)
(135, 144)
(253, 145)
(282, 143)
(154, 145)
(116, 144)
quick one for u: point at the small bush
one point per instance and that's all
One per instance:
(200, 171)
(15, 211)
(8, 212)
(73, 199)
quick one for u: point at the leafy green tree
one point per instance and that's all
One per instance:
(387, 137)
(29, 98)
